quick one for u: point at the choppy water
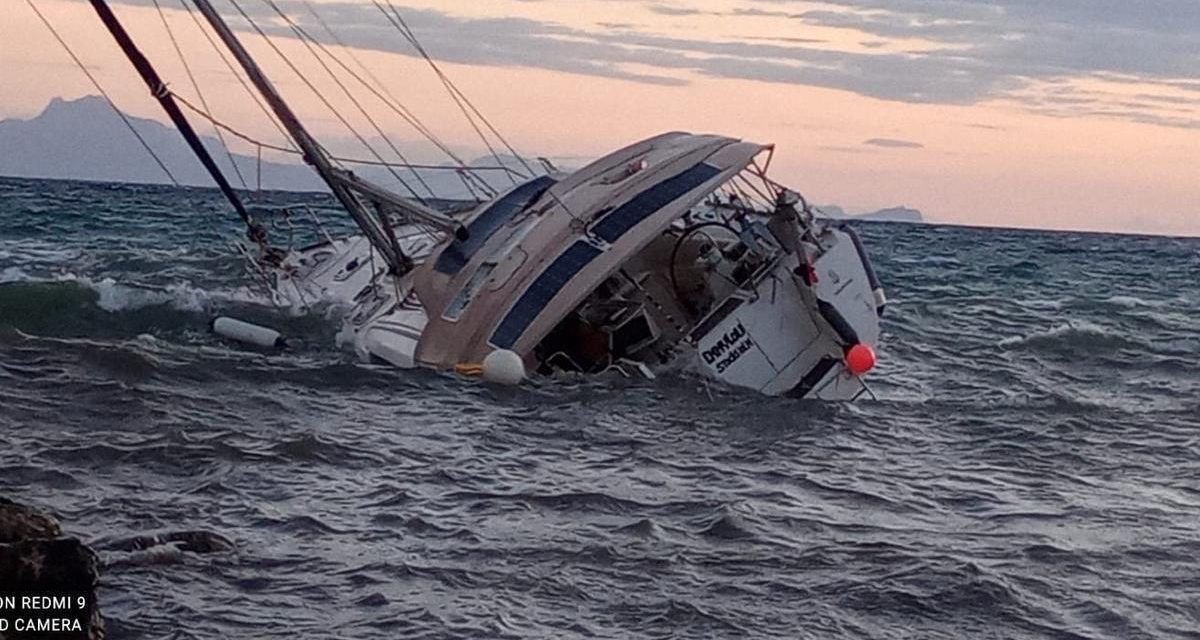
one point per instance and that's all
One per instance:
(1030, 470)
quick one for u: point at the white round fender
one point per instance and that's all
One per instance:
(503, 367)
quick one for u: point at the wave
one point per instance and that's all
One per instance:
(1072, 336)
(77, 306)
(617, 507)
(114, 296)
(26, 251)
(1132, 302)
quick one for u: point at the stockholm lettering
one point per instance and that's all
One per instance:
(728, 348)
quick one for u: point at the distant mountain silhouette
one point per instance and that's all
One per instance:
(85, 139)
(892, 214)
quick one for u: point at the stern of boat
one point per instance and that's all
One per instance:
(789, 334)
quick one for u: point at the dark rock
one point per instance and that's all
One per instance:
(58, 564)
(36, 561)
(193, 541)
(163, 548)
(19, 522)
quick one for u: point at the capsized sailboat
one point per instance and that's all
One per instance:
(674, 250)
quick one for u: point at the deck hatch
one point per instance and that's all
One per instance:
(542, 291)
(645, 204)
(455, 256)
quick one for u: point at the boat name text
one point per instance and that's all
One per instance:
(728, 348)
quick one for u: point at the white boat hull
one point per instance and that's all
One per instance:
(622, 265)
(770, 343)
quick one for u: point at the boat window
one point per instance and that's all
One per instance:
(465, 295)
(633, 334)
(542, 291)
(645, 204)
(514, 239)
(455, 256)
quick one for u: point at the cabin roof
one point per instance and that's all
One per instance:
(545, 259)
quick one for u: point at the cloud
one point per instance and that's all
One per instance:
(892, 143)
(841, 149)
(976, 51)
(668, 10)
(996, 46)
(509, 41)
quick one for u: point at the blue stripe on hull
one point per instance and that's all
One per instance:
(542, 291)
(645, 204)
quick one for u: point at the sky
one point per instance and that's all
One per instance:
(1067, 114)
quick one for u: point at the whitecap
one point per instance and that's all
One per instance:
(182, 295)
(1130, 302)
(1062, 331)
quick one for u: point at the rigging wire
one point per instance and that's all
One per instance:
(390, 100)
(196, 86)
(459, 98)
(348, 160)
(412, 37)
(97, 85)
(242, 81)
(466, 173)
(754, 194)
(470, 189)
(416, 43)
(402, 27)
(312, 88)
(305, 39)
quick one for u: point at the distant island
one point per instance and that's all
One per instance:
(84, 139)
(891, 214)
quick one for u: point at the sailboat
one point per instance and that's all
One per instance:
(676, 251)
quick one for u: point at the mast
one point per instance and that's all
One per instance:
(345, 186)
(161, 93)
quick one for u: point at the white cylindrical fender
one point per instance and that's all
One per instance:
(248, 333)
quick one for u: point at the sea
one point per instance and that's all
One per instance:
(1028, 468)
